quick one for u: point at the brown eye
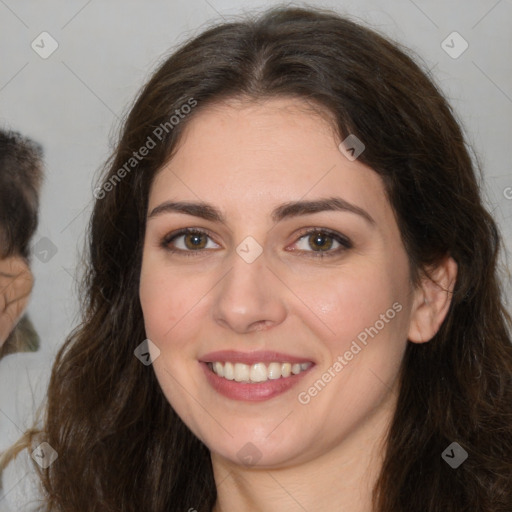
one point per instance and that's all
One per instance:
(320, 242)
(188, 242)
(195, 240)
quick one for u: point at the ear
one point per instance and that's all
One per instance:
(432, 300)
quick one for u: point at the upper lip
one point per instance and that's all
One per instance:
(250, 358)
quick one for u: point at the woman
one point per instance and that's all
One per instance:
(293, 236)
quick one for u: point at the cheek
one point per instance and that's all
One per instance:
(165, 300)
(365, 313)
(353, 301)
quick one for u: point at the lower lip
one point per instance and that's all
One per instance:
(255, 392)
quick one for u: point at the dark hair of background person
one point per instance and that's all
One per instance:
(21, 177)
(120, 444)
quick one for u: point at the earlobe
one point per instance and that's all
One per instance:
(432, 300)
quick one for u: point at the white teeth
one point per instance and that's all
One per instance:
(229, 372)
(258, 372)
(241, 372)
(219, 369)
(286, 369)
(295, 369)
(274, 370)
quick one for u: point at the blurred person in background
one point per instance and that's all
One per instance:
(20, 183)
(24, 373)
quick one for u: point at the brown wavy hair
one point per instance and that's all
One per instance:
(122, 447)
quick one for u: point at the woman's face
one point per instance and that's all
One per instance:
(283, 317)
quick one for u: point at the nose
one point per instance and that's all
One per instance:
(250, 297)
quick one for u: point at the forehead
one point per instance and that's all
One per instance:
(260, 154)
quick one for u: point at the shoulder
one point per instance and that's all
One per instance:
(24, 381)
(20, 487)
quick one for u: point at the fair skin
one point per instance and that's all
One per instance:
(246, 159)
(16, 282)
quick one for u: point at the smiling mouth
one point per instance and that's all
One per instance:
(258, 372)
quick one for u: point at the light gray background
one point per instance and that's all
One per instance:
(73, 101)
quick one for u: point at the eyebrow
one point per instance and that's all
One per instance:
(287, 210)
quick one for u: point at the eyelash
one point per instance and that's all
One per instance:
(344, 242)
